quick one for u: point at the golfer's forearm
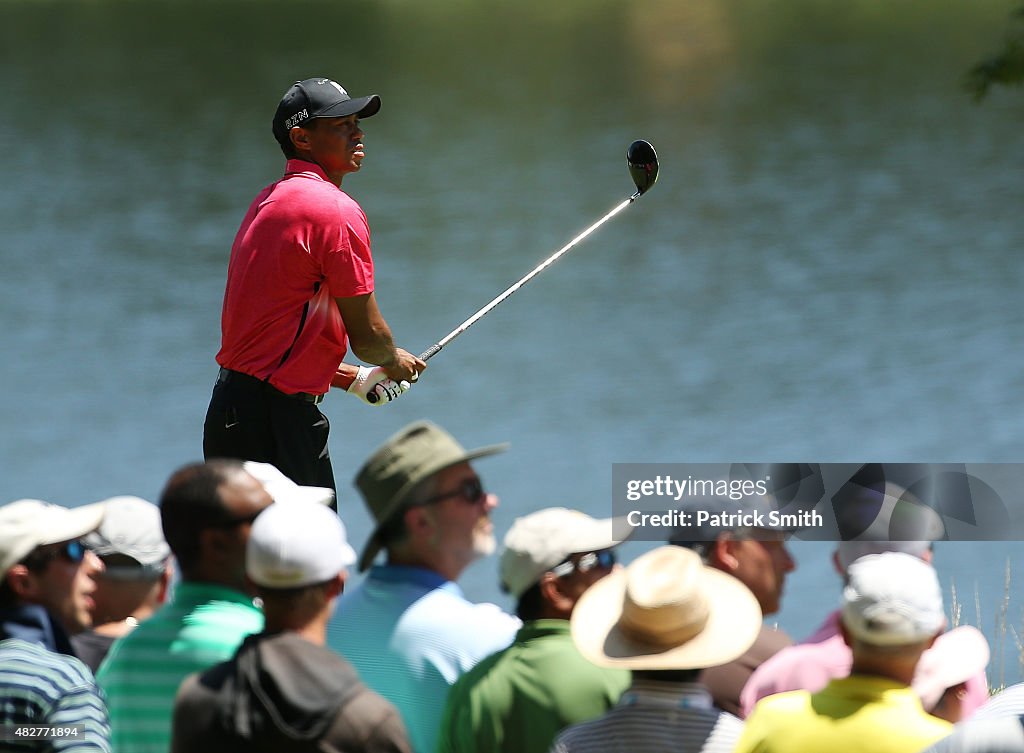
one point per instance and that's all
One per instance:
(369, 335)
(376, 347)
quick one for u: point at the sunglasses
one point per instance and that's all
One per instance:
(605, 559)
(470, 490)
(234, 522)
(72, 551)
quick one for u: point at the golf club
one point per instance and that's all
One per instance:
(642, 161)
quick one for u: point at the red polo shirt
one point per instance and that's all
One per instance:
(302, 240)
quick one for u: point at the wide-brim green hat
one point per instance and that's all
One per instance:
(415, 453)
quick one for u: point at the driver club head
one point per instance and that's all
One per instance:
(643, 165)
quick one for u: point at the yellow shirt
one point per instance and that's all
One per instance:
(858, 714)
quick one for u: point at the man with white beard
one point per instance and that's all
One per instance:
(407, 628)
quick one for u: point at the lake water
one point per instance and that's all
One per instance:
(828, 269)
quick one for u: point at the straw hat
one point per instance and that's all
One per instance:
(665, 611)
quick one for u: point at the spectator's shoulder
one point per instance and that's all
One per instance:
(34, 658)
(770, 641)
(807, 666)
(781, 703)
(448, 608)
(368, 722)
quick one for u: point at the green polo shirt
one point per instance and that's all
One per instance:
(201, 626)
(518, 699)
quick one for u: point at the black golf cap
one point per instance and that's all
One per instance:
(318, 98)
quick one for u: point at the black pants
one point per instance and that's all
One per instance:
(251, 420)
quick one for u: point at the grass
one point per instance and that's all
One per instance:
(1007, 637)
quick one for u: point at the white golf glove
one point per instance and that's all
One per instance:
(374, 387)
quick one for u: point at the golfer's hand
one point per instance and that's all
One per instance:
(405, 368)
(373, 386)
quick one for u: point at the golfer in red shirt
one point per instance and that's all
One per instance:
(299, 294)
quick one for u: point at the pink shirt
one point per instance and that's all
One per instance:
(302, 240)
(804, 666)
(824, 656)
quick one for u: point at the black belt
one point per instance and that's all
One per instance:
(229, 375)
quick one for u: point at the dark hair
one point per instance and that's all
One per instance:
(287, 147)
(531, 604)
(667, 675)
(191, 502)
(393, 530)
(7, 597)
(285, 596)
(36, 561)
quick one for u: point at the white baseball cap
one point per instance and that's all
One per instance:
(541, 540)
(131, 527)
(892, 599)
(282, 488)
(28, 523)
(295, 544)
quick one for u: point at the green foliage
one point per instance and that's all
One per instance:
(1005, 67)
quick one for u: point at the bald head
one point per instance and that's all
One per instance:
(217, 495)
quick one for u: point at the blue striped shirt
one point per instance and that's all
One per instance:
(1007, 702)
(655, 716)
(39, 686)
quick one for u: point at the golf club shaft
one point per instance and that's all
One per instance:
(642, 161)
(434, 349)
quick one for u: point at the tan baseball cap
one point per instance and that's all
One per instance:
(541, 540)
(28, 523)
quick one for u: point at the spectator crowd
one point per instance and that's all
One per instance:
(221, 619)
